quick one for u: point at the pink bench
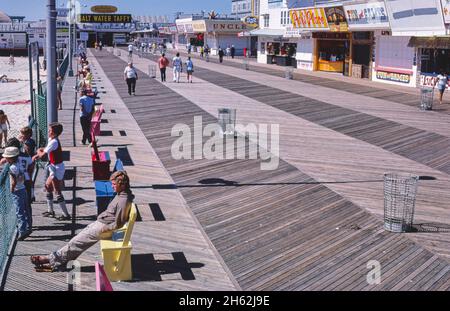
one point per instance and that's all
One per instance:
(97, 120)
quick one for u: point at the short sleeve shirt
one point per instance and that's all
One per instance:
(51, 146)
(87, 105)
(443, 80)
(16, 170)
(130, 72)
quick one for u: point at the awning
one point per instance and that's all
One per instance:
(430, 42)
(267, 32)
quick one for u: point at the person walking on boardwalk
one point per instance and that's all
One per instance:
(233, 51)
(86, 109)
(177, 67)
(442, 82)
(55, 171)
(115, 217)
(163, 63)
(202, 51)
(131, 76)
(189, 69)
(221, 54)
(130, 50)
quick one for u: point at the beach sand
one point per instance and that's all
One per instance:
(16, 91)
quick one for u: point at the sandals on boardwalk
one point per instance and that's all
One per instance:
(41, 264)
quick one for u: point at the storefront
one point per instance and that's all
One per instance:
(413, 45)
(363, 19)
(212, 33)
(394, 61)
(225, 33)
(332, 52)
(275, 48)
(433, 58)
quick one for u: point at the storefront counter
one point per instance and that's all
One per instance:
(283, 60)
(270, 59)
(337, 66)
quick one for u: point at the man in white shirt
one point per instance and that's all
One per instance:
(177, 67)
(130, 76)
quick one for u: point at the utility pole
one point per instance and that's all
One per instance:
(52, 115)
(71, 46)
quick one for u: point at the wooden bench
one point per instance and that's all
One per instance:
(97, 120)
(104, 192)
(116, 252)
(102, 283)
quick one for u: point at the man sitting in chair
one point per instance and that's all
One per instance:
(115, 217)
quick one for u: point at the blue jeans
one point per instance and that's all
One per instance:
(21, 204)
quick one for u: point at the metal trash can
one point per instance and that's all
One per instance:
(227, 121)
(399, 201)
(245, 64)
(152, 71)
(426, 98)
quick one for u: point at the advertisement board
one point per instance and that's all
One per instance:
(371, 15)
(336, 19)
(446, 10)
(416, 18)
(309, 19)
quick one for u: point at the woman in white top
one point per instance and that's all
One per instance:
(442, 81)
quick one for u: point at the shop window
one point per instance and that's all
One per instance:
(266, 20)
(394, 52)
(435, 60)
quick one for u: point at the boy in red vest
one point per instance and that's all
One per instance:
(55, 171)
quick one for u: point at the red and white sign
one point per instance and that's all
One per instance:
(430, 80)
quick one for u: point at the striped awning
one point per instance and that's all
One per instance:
(430, 42)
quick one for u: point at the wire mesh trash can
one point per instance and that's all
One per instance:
(399, 202)
(426, 98)
(245, 64)
(152, 71)
(289, 73)
(227, 121)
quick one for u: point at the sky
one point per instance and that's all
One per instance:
(36, 9)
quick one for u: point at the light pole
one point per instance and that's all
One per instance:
(71, 42)
(52, 115)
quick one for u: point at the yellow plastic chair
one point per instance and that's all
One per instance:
(117, 254)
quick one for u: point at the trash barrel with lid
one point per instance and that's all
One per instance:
(399, 201)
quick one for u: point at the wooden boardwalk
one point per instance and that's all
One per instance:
(170, 249)
(277, 230)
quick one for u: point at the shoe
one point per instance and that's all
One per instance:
(24, 236)
(63, 218)
(134, 94)
(49, 214)
(84, 143)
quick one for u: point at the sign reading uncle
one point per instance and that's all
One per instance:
(104, 18)
(393, 76)
(336, 19)
(309, 18)
(227, 26)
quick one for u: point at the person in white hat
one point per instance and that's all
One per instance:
(18, 191)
